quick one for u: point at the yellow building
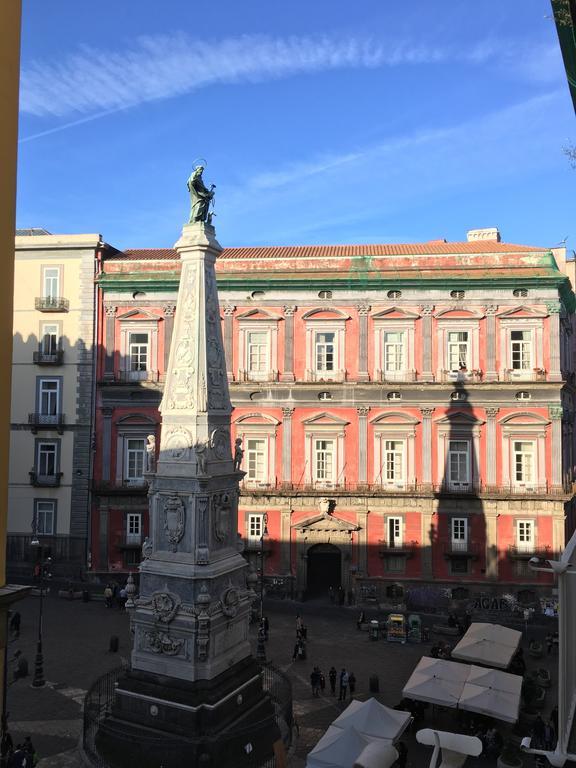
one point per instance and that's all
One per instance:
(52, 400)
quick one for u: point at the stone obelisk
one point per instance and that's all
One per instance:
(193, 695)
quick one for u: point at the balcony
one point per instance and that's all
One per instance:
(130, 541)
(48, 358)
(257, 376)
(46, 421)
(51, 304)
(461, 549)
(473, 376)
(254, 544)
(45, 481)
(135, 377)
(396, 548)
(524, 374)
(394, 376)
(527, 550)
(325, 376)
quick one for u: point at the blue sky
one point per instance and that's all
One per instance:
(321, 121)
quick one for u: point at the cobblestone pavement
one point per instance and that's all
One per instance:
(76, 642)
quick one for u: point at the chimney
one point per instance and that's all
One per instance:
(491, 233)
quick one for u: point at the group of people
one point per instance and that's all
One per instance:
(114, 595)
(20, 756)
(301, 637)
(441, 650)
(346, 682)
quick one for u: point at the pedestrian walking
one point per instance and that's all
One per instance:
(15, 624)
(296, 647)
(332, 678)
(21, 668)
(549, 736)
(340, 595)
(108, 596)
(28, 747)
(361, 620)
(343, 685)
(315, 682)
(322, 682)
(331, 594)
(266, 626)
(298, 625)
(352, 683)
(304, 632)
(549, 642)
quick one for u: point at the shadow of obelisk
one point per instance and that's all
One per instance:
(193, 695)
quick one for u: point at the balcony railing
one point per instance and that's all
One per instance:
(45, 481)
(46, 421)
(51, 304)
(525, 551)
(326, 376)
(48, 358)
(133, 377)
(257, 376)
(524, 374)
(397, 548)
(473, 376)
(461, 549)
(394, 376)
(129, 541)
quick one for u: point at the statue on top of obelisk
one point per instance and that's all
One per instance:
(200, 195)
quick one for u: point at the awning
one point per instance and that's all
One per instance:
(437, 682)
(489, 644)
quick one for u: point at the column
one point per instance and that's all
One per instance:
(491, 448)
(110, 313)
(490, 373)
(285, 542)
(491, 523)
(287, 445)
(362, 521)
(228, 310)
(169, 311)
(554, 372)
(103, 536)
(427, 445)
(555, 413)
(288, 372)
(362, 412)
(428, 534)
(427, 374)
(363, 310)
(106, 443)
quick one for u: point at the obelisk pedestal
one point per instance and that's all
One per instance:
(193, 695)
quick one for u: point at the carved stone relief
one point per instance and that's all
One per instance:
(174, 520)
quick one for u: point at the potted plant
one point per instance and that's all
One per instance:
(510, 757)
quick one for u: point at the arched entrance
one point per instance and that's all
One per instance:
(324, 569)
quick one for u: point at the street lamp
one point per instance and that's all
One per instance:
(264, 533)
(38, 679)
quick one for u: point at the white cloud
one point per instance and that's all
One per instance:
(98, 81)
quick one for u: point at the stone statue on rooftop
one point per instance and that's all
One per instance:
(200, 196)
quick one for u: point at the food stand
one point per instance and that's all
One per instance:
(396, 628)
(414, 628)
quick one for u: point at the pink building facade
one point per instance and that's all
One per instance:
(406, 411)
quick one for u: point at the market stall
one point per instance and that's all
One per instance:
(414, 628)
(396, 628)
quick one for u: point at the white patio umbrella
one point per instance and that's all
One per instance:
(370, 718)
(489, 644)
(493, 693)
(437, 682)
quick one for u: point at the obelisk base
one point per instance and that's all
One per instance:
(225, 722)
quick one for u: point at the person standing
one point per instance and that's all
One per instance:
(343, 685)
(352, 683)
(15, 624)
(549, 643)
(332, 677)
(549, 736)
(108, 596)
(538, 732)
(315, 682)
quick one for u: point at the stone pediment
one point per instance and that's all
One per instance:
(325, 313)
(459, 313)
(394, 417)
(139, 314)
(135, 418)
(522, 312)
(256, 419)
(459, 418)
(326, 524)
(258, 314)
(524, 418)
(395, 313)
(325, 420)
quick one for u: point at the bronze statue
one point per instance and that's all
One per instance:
(200, 196)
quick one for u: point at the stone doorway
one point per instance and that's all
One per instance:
(324, 569)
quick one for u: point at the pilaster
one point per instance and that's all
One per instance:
(169, 312)
(287, 445)
(362, 412)
(427, 445)
(491, 522)
(106, 443)
(363, 310)
(554, 307)
(110, 322)
(288, 372)
(555, 413)
(362, 521)
(228, 310)
(491, 373)
(491, 448)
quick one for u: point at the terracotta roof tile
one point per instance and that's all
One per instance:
(435, 247)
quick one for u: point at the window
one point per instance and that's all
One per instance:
(139, 351)
(324, 294)
(324, 461)
(457, 294)
(256, 451)
(45, 517)
(523, 395)
(133, 528)
(255, 527)
(525, 535)
(324, 351)
(49, 343)
(523, 462)
(520, 292)
(393, 351)
(459, 534)
(324, 395)
(51, 283)
(49, 397)
(393, 461)
(46, 459)
(521, 347)
(458, 464)
(457, 350)
(394, 531)
(459, 565)
(394, 294)
(257, 351)
(394, 396)
(135, 461)
(395, 564)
